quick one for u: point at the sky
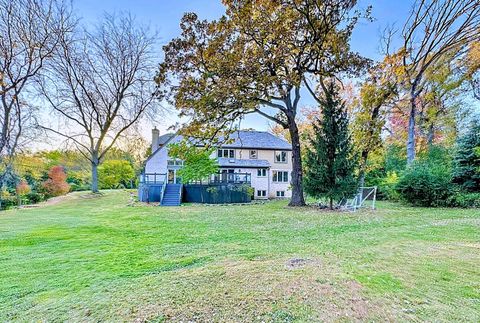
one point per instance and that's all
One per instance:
(163, 16)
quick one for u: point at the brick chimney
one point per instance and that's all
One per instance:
(155, 135)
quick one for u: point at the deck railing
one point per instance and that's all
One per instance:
(226, 178)
(153, 178)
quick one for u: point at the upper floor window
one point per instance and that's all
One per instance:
(253, 154)
(175, 162)
(226, 153)
(280, 176)
(280, 156)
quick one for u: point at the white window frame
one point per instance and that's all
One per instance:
(221, 153)
(280, 154)
(261, 193)
(280, 193)
(175, 162)
(254, 155)
(262, 171)
(275, 176)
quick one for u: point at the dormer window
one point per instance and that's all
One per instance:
(226, 153)
(253, 154)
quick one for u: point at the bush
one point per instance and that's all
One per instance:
(56, 184)
(425, 184)
(35, 197)
(79, 187)
(465, 200)
(7, 200)
(388, 185)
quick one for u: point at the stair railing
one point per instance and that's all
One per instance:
(180, 193)
(164, 187)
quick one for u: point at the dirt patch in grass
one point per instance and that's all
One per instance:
(296, 263)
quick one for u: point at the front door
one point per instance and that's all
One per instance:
(171, 176)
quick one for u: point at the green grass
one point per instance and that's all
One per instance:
(98, 259)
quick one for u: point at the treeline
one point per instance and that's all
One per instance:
(44, 174)
(446, 172)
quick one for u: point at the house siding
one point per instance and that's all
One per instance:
(158, 164)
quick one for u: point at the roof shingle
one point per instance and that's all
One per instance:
(241, 139)
(254, 163)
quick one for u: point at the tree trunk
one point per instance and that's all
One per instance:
(411, 131)
(331, 203)
(430, 135)
(363, 166)
(95, 163)
(297, 171)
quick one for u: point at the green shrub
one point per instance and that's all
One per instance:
(7, 200)
(35, 197)
(388, 185)
(425, 184)
(465, 200)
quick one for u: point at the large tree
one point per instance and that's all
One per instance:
(100, 84)
(434, 29)
(330, 158)
(255, 59)
(30, 31)
(370, 110)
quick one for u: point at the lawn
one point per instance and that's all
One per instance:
(98, 259)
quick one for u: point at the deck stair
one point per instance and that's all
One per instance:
(172, 195)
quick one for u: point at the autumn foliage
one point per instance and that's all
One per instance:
(22, 188)
(56, 183)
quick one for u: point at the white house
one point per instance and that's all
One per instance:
(267, 158)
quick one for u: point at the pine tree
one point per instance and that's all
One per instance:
(330, 160)
(467, 160)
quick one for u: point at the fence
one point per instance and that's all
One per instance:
(217, 194)
(226, 178)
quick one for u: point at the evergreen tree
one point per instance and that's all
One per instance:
(330, 160)
(467, 160)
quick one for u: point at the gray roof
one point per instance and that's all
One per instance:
(240, 139)
(257, 139)
(254, 163)
(165, 138)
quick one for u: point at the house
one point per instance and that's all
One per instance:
(266, 160)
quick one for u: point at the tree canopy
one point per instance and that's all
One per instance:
(255, 59)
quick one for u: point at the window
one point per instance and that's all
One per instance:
(280, 156)
(280, 193)
(261, 172)
(226, 153)
(175, 162)
(253, 154)
(280, 176)
(261, 193)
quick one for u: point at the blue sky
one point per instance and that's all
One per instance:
(164, 16)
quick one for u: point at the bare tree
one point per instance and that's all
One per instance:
(30, 31)
(434, 28)
(101, 84)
